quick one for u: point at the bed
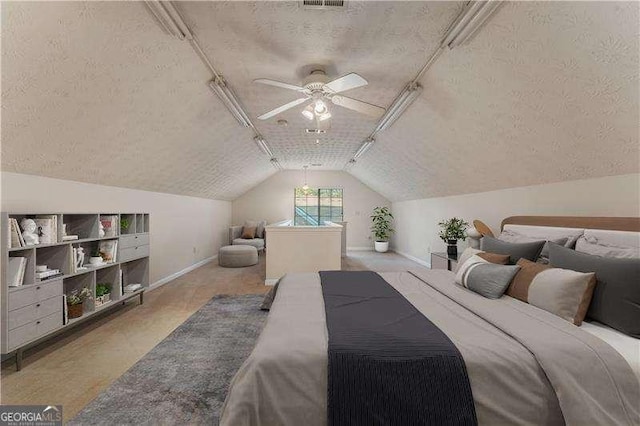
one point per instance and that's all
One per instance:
(524, 364)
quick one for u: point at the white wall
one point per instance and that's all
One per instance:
(179, 224)
(416, 220)
(272, 200)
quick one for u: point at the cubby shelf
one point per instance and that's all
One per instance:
(131, 265)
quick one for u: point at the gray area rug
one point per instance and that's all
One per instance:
(185, 378)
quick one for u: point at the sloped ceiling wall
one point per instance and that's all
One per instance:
(96, 92)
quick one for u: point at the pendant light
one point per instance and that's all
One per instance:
(305, 187)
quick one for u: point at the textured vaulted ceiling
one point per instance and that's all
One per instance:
(96, 92)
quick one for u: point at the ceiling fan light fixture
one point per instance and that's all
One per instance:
(325, 116)
(320, 107)
(308, 113)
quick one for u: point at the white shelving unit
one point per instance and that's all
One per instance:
(33, 312)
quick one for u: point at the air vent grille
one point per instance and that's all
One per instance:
(323, 4)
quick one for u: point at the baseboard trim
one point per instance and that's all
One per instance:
(271, 281)
(359, 248)
(188, 269)
(415, 259)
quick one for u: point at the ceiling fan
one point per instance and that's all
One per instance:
(318, 91)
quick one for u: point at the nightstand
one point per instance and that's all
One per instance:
(444, 261)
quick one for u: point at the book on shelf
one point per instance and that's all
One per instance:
(108, 250)
(132, 287)
(72, 261)
(121, 286)
(16, 270)
(48, 273)
(15, 239)
(50, 277)
(110, 225)
(69, 237)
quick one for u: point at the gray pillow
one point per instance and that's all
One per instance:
(260, 230)
(616, 298)
(513, 237)
(516, 251)
(487, 279)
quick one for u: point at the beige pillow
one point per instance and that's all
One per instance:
(562, 292)
(248, 232)
(500, 259)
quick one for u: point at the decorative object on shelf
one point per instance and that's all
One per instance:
(381, 228)
(96, 259)
(474, 237)
(75, 302)
(124, 225)
(453, 230)
(29, 234)
(101, 232)
(109, 226)
(66, 237)
(47, 228)
(41, 268)
(79, 258)
(103, 294)
(108, 250)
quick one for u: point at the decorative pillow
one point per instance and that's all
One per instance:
(616, 297)
(592, 245)
(485, 278)
(516, 251)
(260, 229)
(562, 292)
(514, 237)
(248, 232)
(500, 259)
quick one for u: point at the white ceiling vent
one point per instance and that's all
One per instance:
(323, 4)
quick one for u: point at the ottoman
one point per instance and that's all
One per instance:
(237, 256)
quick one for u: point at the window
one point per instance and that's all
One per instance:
(317, 205)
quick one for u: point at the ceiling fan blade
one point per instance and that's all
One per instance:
(279, 84)
(356, 105)
(347, 82)
(273, 112)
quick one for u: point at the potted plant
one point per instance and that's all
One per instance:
(381, 228)
(124, 225)
(453, 230)
(96, 257)
(75, 301)
(103, 294)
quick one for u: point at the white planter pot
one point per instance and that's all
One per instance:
(382, 246)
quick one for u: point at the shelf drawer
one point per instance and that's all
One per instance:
(48, 324)
(128, 241)
(34, 312)
(133, 253)
(22, 335)
(34, 294)
(31, 331)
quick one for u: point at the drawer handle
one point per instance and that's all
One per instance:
(38, 288)
(38, 305)
(37, 322)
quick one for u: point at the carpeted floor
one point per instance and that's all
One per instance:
(184, 379)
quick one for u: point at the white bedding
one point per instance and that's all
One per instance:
(627, 346)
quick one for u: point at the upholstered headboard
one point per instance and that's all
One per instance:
(608, 223)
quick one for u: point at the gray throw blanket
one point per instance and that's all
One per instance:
(388, 364)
